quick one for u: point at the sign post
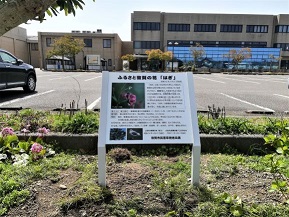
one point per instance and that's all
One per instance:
(148, 108)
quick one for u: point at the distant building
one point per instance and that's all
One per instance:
(15, 41)
(102, 51)
(266, 35)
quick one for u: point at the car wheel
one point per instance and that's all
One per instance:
(31, 84)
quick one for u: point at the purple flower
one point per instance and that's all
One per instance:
(42, 131)
(36, 148)
(132, 100)
(7, 131)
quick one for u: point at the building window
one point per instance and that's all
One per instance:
(231, 28)
(283, 46)
(48, 42)
(146, 45)
(282, 28)
(107, 43)
(174, 27)
(87, 42)
(109, 62)
(34, 46)
(205, 27)
(257, 28)
(154, 26)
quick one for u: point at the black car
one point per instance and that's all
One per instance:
(15, 73)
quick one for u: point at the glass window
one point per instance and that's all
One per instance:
(107, 43)
(205, 27)
(153, 26)
(48, 42)
(282, 28)
(257, 29)
(87, 42)
(146, 44)
(34, 46)
(7, 58)
(109, 62)
(178, 27)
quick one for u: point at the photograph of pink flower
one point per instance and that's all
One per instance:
(128, 95)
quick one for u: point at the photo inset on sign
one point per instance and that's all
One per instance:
(134, 134)
(117, 134)
(128, 96)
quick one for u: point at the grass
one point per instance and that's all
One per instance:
(88, 122)
(169, 185)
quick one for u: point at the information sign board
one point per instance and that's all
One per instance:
(147, 108)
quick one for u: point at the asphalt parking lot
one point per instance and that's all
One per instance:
(240, 95)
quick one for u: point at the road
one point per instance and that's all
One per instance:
(237, 93)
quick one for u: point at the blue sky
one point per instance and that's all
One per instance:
(113, 16)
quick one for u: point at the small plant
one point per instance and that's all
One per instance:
(279, 160)
(120, 154)
(234, 204)
(20, 152)
(174, 192)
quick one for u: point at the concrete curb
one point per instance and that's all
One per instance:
(87, 143)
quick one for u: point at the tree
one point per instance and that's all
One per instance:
(129, 58)
(274, 59)
(238, 56)
(197, 52)
(15, 12)
(66, 46)
(156, 55)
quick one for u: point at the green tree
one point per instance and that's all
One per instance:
(197, 52)
(237, 56)
(156, 55)
(66, 46)
(129, 58)
(15, 12)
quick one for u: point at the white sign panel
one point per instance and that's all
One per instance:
(148, 108)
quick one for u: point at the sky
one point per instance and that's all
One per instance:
(114, 16)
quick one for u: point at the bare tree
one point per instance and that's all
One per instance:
(197, 52)
(237, 56)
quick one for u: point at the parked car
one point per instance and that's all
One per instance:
(15, 73)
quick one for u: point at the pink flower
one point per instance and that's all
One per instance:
(132, 99)
(42, 131)
(36, 148)
(7, 131)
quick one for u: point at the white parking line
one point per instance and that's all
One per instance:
(267, 79)
(91, 106)
(93, 78)
(209, 79)
(240, 100)
(65, 77)
(25, 98)
(241, 80)
(281, 95)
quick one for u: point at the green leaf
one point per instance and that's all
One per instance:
(280, 150)
(274, 186)
(236, 210)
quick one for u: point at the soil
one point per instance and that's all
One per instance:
(134, 180)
